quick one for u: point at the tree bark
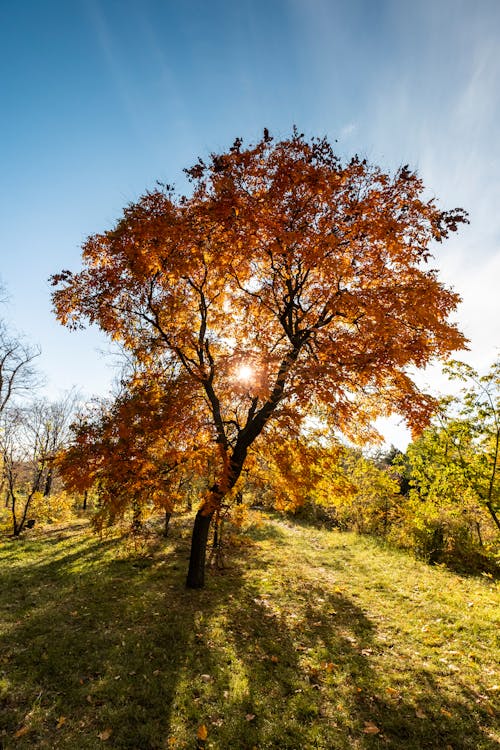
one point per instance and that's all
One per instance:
(196, 572)
(493, 514)
(168, 516)
(48, 484)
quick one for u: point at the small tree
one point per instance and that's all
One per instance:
(288, 282)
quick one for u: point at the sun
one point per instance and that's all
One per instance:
(244, 373)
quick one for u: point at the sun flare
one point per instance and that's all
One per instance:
(244, 373)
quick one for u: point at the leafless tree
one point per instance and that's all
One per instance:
(18, 375)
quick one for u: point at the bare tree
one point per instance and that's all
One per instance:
(18, 375)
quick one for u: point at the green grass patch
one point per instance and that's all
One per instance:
(309, 639)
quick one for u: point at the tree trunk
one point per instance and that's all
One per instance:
(196, 572)
(85, 498)
(493, 514)
(48, 484)
(168, 516)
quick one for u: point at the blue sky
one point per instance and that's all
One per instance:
(101, 98)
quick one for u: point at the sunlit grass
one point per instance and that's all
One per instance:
(309, 639)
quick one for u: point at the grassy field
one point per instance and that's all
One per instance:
(309, 639)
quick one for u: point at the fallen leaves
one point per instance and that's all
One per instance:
(371, 728)
(21, 732)
(202, 733)
(105, 734)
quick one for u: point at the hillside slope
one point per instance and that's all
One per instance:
(308, 639)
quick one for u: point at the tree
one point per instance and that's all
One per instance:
(475, 431)
(286, 283)
(459, 455)
(30, 437)
(17, 374)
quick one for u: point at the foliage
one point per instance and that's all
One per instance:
(289, 473)
(30, 438)
(288, 282)
(54, 508)
(372, 505)
(474, 433)
(139, 449)
(451, 510)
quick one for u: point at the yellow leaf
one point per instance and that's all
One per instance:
(328, 666)
(60, 722)
(202, 732)
(446, 713)
(105, 734)
(371, 728)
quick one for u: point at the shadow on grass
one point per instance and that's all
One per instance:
(100, 649)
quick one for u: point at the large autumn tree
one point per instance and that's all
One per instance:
(286, 283)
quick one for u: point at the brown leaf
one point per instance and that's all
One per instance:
(250, 717)
(60, 722)
(371, 728)
(420, 714)
(105, 734)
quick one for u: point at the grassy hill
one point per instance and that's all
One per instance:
(308, 639)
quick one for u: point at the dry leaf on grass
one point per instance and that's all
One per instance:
(202, 733)
(371, 728)
(21, 732)
(105, 734)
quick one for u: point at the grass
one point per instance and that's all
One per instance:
(309, 639)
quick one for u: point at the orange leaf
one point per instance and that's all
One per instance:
(21, 732)
(60, 722)
(202, 732)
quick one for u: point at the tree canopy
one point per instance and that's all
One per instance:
(287, 283)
